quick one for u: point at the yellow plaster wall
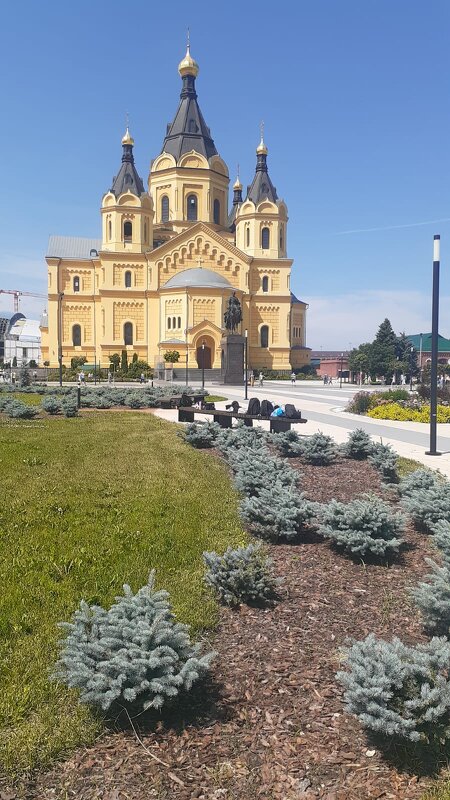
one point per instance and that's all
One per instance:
(128, 311)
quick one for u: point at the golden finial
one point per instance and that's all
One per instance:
(237, 184)
(188, 66)
(127, 138)
(262, 149)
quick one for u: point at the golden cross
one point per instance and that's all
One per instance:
(200, 262)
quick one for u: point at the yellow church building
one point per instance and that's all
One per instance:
(161, 275)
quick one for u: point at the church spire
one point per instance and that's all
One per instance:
(188, 131)
(262, 187)
(127, 179)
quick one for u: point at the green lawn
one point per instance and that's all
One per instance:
(29, 398)
(88, 504)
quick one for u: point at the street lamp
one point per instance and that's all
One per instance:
(411, 369)
(203, 365)
(246, 365)
(340, 374)
(434, 347)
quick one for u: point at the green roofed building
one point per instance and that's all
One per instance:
(422, 343)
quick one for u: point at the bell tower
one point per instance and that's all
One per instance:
(127, 209)
(261, 220)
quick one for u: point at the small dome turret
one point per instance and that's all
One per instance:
(127, 138)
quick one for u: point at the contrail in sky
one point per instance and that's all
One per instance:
(394, 227)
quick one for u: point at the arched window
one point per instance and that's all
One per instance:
(247, 236)
(174, 322)
(264, 334)
(164, 209)
(109, 230)
(281, 237)
(265, 284)
(76, 335)
(145, 231)
(192, 207)
(217, 212)
(128, 279)
(127, 231)
(265, 238)
(179, 322)
(76, 284)
(128, 333)
(169, 322)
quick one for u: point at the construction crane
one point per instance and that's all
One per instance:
(17, 293)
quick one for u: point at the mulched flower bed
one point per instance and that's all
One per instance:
(276, 730)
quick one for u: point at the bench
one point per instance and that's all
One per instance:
(174, 400)
(225, 418)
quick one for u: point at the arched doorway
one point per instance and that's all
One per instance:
(205, 355)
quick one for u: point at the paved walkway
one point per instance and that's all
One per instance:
(324, 406)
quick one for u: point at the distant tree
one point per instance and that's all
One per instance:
(359, 358)
(124, 361)
(135, 358)
(24, 377)
(32, 364)
(171, 356)
(115, 360)
(77, 362)
(383, 351)
(14, 362)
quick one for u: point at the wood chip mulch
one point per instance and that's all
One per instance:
(277, 729)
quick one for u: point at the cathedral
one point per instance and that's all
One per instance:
(170, 257)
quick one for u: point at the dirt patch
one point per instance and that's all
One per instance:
(277, 729)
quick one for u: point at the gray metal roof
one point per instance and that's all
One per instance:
(262, 187)
(199, 278)
(295, 299)
(72, 247)
(127, 179)
(188, 131)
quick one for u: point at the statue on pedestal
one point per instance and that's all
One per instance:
(233, 314)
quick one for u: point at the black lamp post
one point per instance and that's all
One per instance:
(434, 347)
(246, 365)
(340, 374)
(60, 350)
(203, 365)
(411, 369)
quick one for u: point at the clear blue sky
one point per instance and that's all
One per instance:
(355, 95)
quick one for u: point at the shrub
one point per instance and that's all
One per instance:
(69, 407)
(134, 400)
(201, 434)
(319, 449)
(360, 403)
(366, 525)
(241, 575)
(241, 436)
(359, 445)
(441, 539)
(276, 513)
(19, 410)
(429, 506)
(384, 459)
(24, 377)
(288, 443)
(52, 405)
(395, 411)
(134, 653)
(419, 479)
(397, 690)
(432, 595)
(255, 470)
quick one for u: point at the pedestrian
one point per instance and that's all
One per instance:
(252, 378)
(109, 377)
(325, 380)
(13, 379)
(293, 378)
(142, 377)
(261, 379)
(35, 376)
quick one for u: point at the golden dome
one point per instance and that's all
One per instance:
(237, 184)
(188, 66)
(127, 138)
(261, 149)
